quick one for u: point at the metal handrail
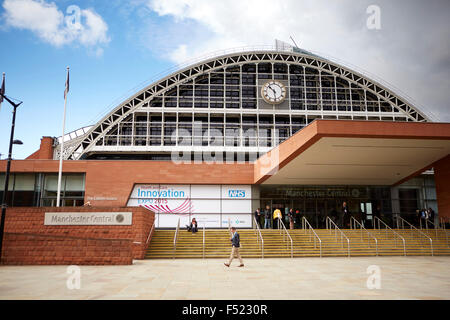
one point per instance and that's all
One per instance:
(282, 229)
(204, 240)
(258, 232)
(329, 224)
(151, 231)
(175, 238)
(426, 225)
(418, 231)
(376, 219)
(305, 224)
(361, 226)
(442, 222)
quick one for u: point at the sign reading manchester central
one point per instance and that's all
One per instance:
(88, 219)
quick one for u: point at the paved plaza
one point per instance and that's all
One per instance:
(302, 278)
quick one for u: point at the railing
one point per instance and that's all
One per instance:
(259, 237)
(354, 223)
(420, 233)
(285, 233)
(331, 225)
(376, 219)
(312, 233)
(175, 238)
(151, 231)
(427, 221)
(442, 222)
(204, 241)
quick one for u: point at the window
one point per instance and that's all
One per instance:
(40, 189)
(72, 190)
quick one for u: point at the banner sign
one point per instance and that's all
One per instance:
(209, 204)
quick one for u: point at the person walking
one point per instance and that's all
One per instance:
(276, 218)
(267, 215)
(298, 218)
(258, 218)
(423, 217)
(291, 216)
(431, 215)
(235, 245)
(344, 215)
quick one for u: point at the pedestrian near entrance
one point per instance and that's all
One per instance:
(298, 218)
(344, 215)
(431, 215)
(235, 245)
(267, 216)
(276, 218)
(291, 216)
(258, 218)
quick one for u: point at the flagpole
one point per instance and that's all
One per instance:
(58, 195)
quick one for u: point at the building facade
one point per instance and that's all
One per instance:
(200, 143)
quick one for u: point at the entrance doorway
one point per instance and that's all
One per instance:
(314, 210)
(366, 214)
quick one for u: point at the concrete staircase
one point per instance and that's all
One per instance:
(217, 243)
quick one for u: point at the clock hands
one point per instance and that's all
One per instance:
(278, 92)
(274, 92)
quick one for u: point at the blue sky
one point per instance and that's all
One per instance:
(36, 71)
(119, 45)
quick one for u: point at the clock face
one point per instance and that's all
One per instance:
(273, 92)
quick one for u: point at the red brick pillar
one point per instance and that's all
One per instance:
(46, 149)
(442, 180)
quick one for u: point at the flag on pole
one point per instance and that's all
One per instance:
(2, 90)
(66, 91)
(58, 193)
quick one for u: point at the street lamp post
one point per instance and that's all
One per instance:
(8, 170)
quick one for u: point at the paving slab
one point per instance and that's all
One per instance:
(419, 278)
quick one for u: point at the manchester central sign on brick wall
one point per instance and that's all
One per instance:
(88, 219)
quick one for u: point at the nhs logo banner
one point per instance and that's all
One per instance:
(236, 192)
(236, 199)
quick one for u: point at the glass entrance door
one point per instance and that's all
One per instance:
(366, 214)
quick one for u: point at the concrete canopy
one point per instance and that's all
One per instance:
(336, 152)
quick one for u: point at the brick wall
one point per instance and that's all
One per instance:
(34, 249)
(22, 223)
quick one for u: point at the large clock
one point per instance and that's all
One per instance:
(274, 92)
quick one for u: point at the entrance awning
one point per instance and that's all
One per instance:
(330, 152)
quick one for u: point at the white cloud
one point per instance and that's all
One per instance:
(49, 23)
(235, 23)
(410, 31)
(96, 29)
